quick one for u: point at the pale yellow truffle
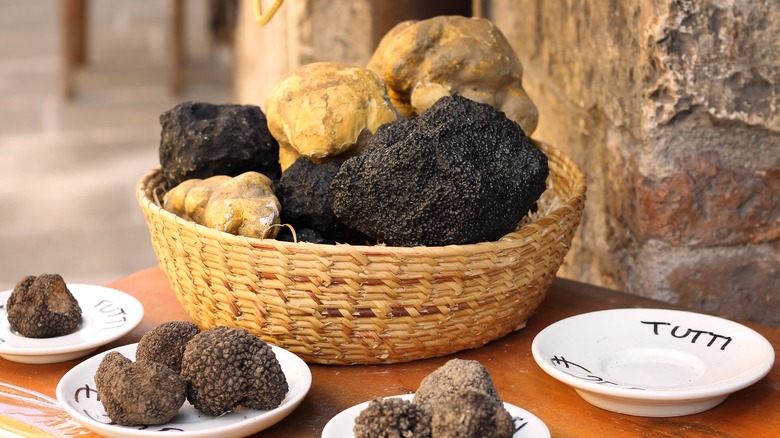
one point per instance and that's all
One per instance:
(325, 109)
(243, 205)
(422, 61)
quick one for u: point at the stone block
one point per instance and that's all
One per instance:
(708, 204)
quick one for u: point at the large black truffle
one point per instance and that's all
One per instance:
(136, 393)
(392, 417)
(462, 172)
(165, 343)
(228, 367)
(43, 307)
(304, 192)
(200, 140)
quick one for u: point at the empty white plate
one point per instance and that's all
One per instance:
(106, 315)
(653, 362)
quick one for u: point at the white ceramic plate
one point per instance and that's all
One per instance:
(530, 426)
(653, 362)
(76, 392)
(106, 315)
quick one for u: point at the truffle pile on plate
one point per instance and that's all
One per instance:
(217, 370)
(426, 145)
(456, 400)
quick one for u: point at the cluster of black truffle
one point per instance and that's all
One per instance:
(456, 400)
(43, 307)
(461, 172)
(216, 370)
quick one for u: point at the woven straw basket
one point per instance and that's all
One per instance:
(345, 304)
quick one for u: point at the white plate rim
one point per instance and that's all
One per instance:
(693, 393)
(332, 430)
(85, 294)
(242, 426)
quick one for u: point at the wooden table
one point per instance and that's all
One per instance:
(751, 412)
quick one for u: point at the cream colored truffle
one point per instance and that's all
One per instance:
(325, 109)
(243, 205)
(422, 61)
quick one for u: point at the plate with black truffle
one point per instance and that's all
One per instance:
(526, 424)
(653, 362)
(77, 392)
(45, 320)
(456, 399)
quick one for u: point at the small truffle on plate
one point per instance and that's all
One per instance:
(392, 417)
(471, 413)
(452, 379)
(228, 367)
(43, 307)
(165, 343)
(138, 393)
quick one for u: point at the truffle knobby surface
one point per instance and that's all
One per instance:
(451, 379)
(392, 417)
(471, 414)
(166, 342)
(460, 173)
(229, 367)
(304, 193)
(200, 140)
(138, 393)
(43, 307)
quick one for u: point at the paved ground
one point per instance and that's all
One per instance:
(68, 169)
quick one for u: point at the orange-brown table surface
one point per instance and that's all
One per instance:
(751, 412)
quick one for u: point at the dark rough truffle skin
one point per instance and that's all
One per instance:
(138, 393)
(451, 379)
(304, 192)
(392, 417)
(165, 343)
(43, 307)
(200, 140)
(227, 367)
(472, 414)
(461, 172)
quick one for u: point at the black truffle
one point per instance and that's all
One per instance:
(43, 307)
(227, 367)
(462, 172)
(138, 393)
(392, 417)
(471, 414)
(304, 192)
(200, 140)
(165, 343)
(452, 379)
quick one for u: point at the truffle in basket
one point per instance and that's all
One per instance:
(422, 61)
(243, 205)
(304, 192)
(460, 173)
(326, 109)
(200, 140)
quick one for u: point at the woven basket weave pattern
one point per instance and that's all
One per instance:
(345, 304)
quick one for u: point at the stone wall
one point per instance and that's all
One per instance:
(671, 107)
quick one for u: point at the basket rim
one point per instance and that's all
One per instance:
(568, 206)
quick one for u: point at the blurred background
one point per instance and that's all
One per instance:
(69, 164)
